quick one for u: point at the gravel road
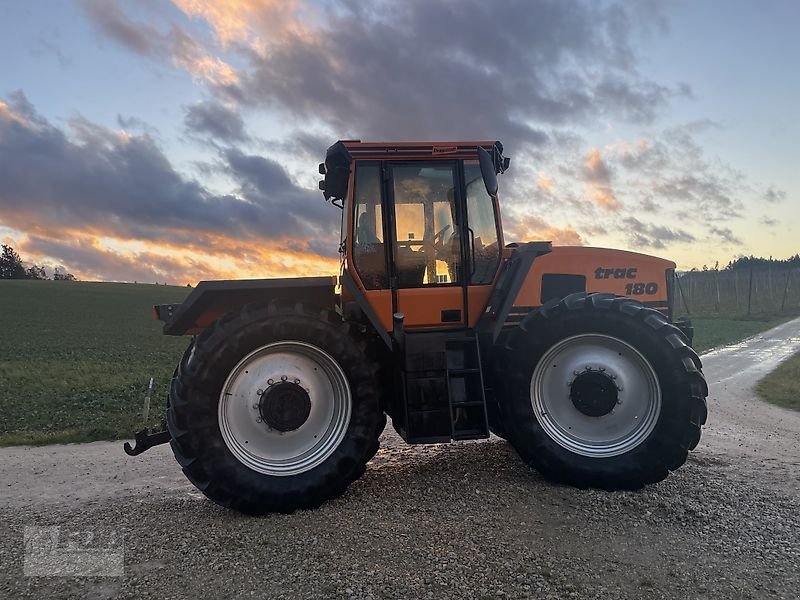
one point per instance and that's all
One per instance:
(464, 520)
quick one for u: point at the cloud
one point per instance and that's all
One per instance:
(769, 221)
(434, 70)
(647, 235)
(97, 183)
(237, 21)
(726, 235)
(773, 195)
(216, 120)
(597, 175)
(181, 48)
(532, 228)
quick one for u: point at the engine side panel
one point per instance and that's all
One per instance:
(569, 269)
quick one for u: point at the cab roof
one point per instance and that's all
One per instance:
(416, 150)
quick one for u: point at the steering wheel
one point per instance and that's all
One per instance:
(437, 238)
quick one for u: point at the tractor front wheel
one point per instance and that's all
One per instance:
(602, 391)
(274, 408)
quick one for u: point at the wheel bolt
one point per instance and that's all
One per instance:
(258, 420)
(255, 406)
(284, 378)
(270, 382)
(260, 391)
(619, 387)
(296, 380)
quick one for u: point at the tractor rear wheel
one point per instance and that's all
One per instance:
(602, 391)
(275, 408)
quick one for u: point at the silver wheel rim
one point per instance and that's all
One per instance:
(630, 421)
(265, 449)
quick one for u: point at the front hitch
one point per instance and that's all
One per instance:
(146, 440)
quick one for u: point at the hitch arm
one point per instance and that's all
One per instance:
(146, 440)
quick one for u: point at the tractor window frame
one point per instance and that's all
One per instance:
(383, 281)
(458, 220)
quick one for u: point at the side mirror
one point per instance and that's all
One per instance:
(488, 172)
(337, 173)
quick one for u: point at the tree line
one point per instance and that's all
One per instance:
(751, 262)
(13, 267)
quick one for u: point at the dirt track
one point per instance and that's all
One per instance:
(466, 520)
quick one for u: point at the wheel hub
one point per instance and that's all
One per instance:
(594, 393)
(285, 406)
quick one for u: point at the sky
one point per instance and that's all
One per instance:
(176, 141)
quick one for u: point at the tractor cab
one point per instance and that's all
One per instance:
(421, 232)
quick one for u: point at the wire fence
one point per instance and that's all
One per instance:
(755, 291)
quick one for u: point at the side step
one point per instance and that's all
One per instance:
(465, 389)
(442, 387)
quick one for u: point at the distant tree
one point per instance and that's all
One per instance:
(36, 272)
(11, 266)
(61, 275)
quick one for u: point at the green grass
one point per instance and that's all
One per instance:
(75, 359)
(713, 331)
(782, 386)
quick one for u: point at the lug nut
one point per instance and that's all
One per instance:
(296, 380)
(260, 392)
(284, 378)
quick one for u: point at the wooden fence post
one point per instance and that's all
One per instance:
(785, 289)
(683, 296)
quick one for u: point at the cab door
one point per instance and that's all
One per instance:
(426, 231)
(484, 237)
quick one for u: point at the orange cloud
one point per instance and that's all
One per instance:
(89, 257)
(249, 21)
(598, 180)
(532, 228)
(545, 183)
(7, 113)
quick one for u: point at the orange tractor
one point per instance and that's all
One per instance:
(569, 353)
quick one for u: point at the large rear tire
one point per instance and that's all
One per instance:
(601, 391)
(275, 408)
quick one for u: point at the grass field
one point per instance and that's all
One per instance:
(75, 358)
(710, 332)
(782, 386)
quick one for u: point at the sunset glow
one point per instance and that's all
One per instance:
(178, 141)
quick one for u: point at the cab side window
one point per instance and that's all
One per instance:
(368, 247)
